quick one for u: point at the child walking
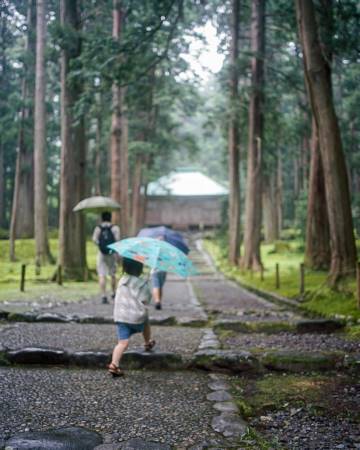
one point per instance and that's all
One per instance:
(130, 312)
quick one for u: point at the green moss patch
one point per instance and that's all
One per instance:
(321, 394)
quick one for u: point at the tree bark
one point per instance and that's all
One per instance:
(279, 192)
(2, 187)
(119, 136)
(22, 213)
(42, 249)
(72, 249)
(270, 207)
(318, 75)
(136, 195)
(98, 153)
(253, 207)
(317, 249)
(233, 141)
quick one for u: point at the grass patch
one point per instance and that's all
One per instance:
(318, 299)
(38, 285)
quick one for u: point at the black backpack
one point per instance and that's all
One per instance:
(106, 238)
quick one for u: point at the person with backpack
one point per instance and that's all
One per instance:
(104, 234)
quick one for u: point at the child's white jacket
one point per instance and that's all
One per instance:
(132, 295)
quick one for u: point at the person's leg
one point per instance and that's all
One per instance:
(102, 283)
(118, 351)
(113, 285)
(157, 296)
(149, 343)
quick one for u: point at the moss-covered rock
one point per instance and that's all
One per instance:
(301, 361)
(253, 327)
(236, 362)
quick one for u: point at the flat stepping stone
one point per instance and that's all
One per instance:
(229, 425)
(71, 438)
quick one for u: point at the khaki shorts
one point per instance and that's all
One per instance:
(106, 264)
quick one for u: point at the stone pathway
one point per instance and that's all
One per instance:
(54, 389)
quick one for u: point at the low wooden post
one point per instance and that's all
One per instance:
(302, 279)
(358, 283)
(22, 280)
(59, 276)
(277, 276)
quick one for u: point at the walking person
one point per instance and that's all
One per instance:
(158, 278)
(130, 312)
(106, 262)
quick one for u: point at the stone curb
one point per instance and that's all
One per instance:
(299, 326)
(132, 360)
(60, 318)
(229, 422)
(208, 358)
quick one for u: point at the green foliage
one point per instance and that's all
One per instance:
(319, 298)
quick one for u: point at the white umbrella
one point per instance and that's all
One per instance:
(97, 204)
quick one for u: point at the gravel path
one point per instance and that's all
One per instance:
(75, 337)
(156, 406)
(224, 296)
(296, 342)
(178, 302)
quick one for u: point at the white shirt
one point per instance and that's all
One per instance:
(132, 294)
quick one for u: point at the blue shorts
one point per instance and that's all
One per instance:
(158, 279)
(125, 330)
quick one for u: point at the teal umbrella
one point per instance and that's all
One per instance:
(155, 253)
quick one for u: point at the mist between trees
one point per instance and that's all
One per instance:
(99, 98)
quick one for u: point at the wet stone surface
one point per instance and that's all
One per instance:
(225, 297)
(165, 407)
(82, 337)
(293, 341)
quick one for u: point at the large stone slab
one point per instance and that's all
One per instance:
(36, 355)
(225, 359)
(244, 326)
(70, 438)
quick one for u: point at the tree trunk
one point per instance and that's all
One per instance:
(233, 141)
(124, 167)
(119, 156)
(318, 75)
(2, 187)
(22, 214)
(98, 153)
(252, 259)
(42, 249)
(72, 249)
(270, 207)
(317, 250)
(279, 192)
(136, 195)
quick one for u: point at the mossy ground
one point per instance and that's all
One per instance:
(316, 393)
(319, 299)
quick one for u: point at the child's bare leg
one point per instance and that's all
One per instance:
(113, 285)
(156, 295)
(102, 283)
(147, 333)
(118, 351)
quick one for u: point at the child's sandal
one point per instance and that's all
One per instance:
(115, 371)
(150, 345)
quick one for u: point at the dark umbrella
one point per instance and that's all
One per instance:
(172, 237)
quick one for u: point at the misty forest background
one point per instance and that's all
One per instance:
(98, 98)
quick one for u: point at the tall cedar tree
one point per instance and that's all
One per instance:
(22, 214)
(317, 250)
(253, 205)
(233, 140)
(42, 253)
(318, 76)
(72, 244)
(119, 158)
